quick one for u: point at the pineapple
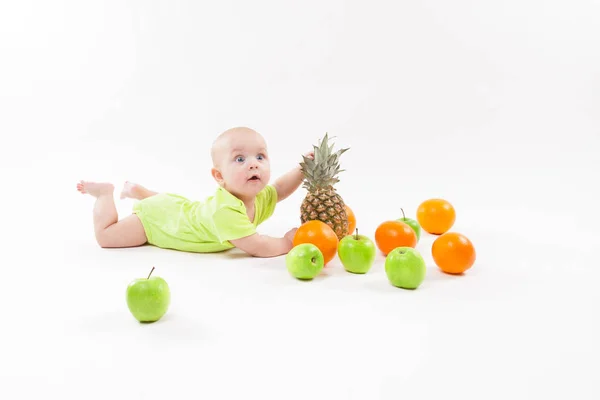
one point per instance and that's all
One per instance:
(322, 201)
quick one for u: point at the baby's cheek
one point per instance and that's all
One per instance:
(240, 179)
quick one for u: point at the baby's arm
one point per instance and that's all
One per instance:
(290, 181)
(265, 246)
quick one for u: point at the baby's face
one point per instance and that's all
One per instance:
(244, 164)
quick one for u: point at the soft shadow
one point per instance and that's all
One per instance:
(320, 277)
(165, 318)
(236, 254)
(174, 326)
(384, 286)
(434, 274)
(324, 274)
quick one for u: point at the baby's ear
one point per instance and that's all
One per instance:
(216, 174)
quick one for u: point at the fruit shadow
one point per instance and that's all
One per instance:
(324, 274)
(434, 274)
(433, 277)
(278, 266)
(383, 285)
(177, 327)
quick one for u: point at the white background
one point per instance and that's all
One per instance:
(492, 105)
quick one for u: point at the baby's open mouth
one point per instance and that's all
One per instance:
(254, 178)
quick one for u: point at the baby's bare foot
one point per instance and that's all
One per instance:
(95, 189)
(132, 191)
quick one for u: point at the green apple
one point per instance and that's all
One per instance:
(148, 298)
(412, 223)
(304, 261)
(405, 267)
(357, 253)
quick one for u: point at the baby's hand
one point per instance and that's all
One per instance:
(310, 154)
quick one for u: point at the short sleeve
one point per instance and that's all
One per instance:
(265, 204)
(230, 223)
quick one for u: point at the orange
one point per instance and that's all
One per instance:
(453, 253)
(321, 235)
(351, 220)
(392, 234)
(436, 216)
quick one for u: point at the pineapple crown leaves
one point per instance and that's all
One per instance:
(323, 170)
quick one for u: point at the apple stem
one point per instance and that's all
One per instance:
(403, 216)
(150, 273)
(356, 237)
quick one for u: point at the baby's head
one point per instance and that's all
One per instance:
(241, 162)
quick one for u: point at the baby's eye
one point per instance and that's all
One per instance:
(260, 157)
(239, 159)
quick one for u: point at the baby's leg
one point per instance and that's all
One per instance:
(110, 232)
(134, 191)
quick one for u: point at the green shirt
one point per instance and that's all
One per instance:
(172, 221)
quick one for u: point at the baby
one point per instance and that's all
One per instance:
(227, 219)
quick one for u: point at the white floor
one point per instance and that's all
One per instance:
(522, 323)
(491, 106)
